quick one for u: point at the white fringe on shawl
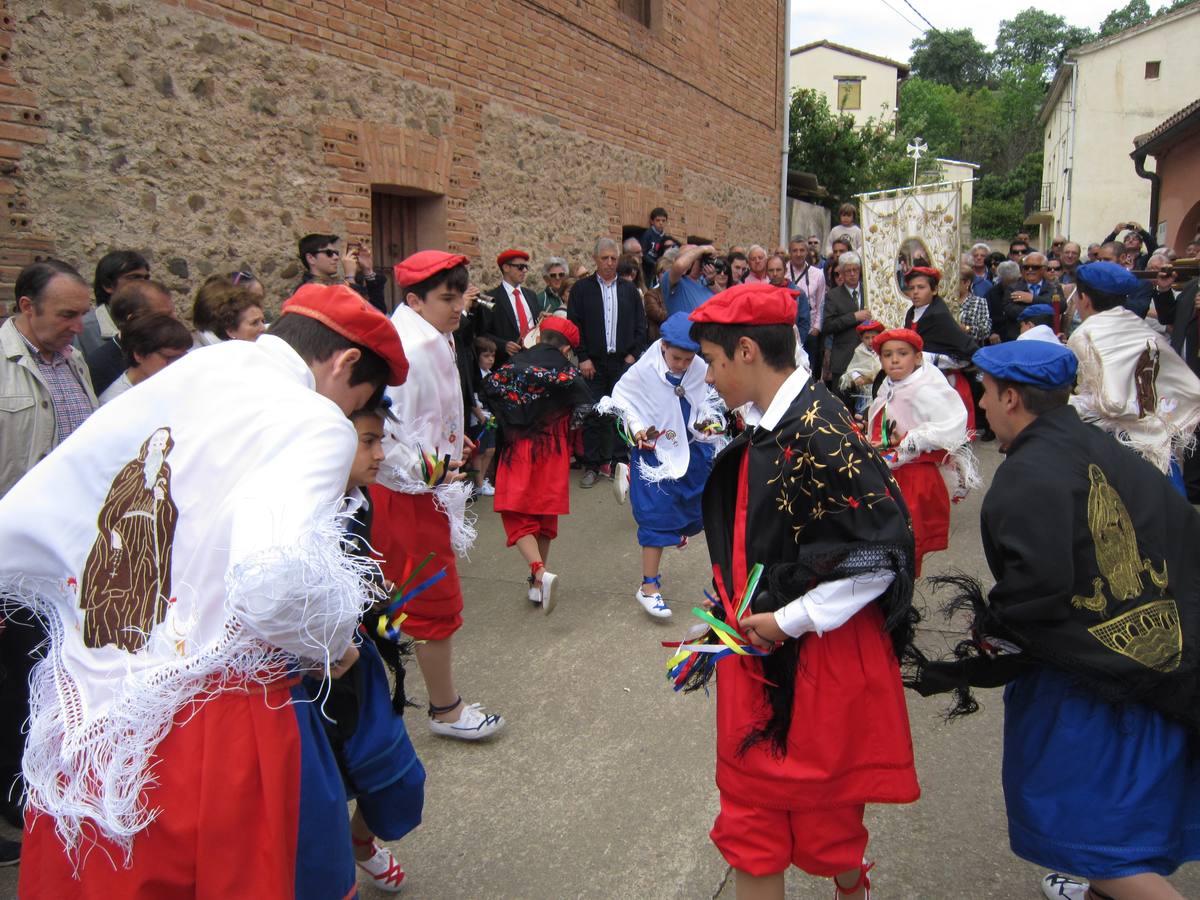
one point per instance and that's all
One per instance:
(931, 416)
(1109, 346)
(643, 398)
(101, 772)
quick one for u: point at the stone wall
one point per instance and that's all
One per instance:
(211, 135)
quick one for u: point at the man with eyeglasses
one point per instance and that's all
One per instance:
(1018, 249)
(321, 260)
(554, 274)
(814, 251)
(1070, 262)
(515, 309)
(1034, 288)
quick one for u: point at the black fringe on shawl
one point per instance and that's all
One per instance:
(976, 663)
(785, 582)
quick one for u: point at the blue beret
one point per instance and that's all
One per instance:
(1036, 309)
(675, 330)
(1108, 278)
(1039, 363)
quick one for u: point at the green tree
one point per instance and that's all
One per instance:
(1036, 38)
(846, 160)
(952, 57)
(931, 111)
(1133, 13)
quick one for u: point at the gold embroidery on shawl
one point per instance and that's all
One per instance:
(1149, 635)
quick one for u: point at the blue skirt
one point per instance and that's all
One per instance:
(1094, 789)
(668, 511)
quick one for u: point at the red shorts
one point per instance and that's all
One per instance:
(762, 842)
(406, 528)
(517, 525)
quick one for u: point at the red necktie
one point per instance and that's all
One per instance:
(522, 319)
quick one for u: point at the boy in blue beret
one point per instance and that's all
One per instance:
(1131, 383)
(1091, 628)
(1037, 323)
(674, 422)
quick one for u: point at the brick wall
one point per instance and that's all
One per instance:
(211, 133)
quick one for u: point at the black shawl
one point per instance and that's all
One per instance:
(941, 332)
(821, 506)
(530, 392)
(1094, 556)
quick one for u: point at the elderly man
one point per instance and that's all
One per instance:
(1034, 288)
(756, 256)
(1070, 262)
(1164, 289)
(612, 327)
(980, 283)
(515, 309)
(554, 274)
(845, 308)
(811, 280)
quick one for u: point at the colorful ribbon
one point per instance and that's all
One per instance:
(391, 619)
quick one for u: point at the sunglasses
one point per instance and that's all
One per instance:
(1054, 268)
(555, 274)
(332, 254)
(1029, 268)
(524, 267)
(239, 277)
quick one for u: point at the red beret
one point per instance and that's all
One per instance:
(509, 255)
(425, 264)
(898, 334)
(340, 309)
(749, 304)
(869, 325)
(928, 271)
(563, 326)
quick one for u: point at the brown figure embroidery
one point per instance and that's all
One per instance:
(127, 576)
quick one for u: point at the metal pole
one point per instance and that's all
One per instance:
(787, 124)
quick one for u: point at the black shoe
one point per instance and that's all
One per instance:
(10, 852)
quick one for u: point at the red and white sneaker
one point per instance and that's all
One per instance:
(863, 882)
(383, 868)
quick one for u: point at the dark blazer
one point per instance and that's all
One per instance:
(1007, 325)
(586, 309)
(502, 325)
(1183, 334)
(838, 322)
(105, 364)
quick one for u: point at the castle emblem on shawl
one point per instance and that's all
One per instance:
(1148, 634)
(127, 576)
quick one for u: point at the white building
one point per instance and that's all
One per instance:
(1104, 95)
(855, 82)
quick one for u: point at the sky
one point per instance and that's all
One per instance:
(871, 26)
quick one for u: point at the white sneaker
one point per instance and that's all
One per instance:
(486, 489)
(535, 594)
(653, 604)
(621, 482)
(385, 871)
(1057, 887)
(547, 592)
(472, 725)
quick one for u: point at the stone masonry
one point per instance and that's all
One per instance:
(211, 135)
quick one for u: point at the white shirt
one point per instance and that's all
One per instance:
(830, 604)
(116, 389)
(608, 292)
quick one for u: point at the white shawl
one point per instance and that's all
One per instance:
(863, 361)
(931, 416)
(429, 427)
(236, 525)
(643, 398)
(1113, 347)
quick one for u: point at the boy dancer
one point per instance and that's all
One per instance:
(532, 397)
(1092, 628)
(920, 427)
(172, 750)
(362, 718)
(421, 497)
(816, 729)
(858, 381)
(665, 403)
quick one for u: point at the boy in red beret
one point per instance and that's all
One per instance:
(197, 569)
(421, 496)
(532, 397)
(920, 427)
(802, 493)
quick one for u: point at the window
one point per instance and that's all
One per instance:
(1152, 68)
(849, 92)
(638, 10)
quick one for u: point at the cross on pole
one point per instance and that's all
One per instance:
(916, 150)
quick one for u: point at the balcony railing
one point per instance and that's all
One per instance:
(1039, 199)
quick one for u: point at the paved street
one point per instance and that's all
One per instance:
(602, 785)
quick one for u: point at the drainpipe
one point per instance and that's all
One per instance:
(787, 124)
(1074, 64)
(1139, 166)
